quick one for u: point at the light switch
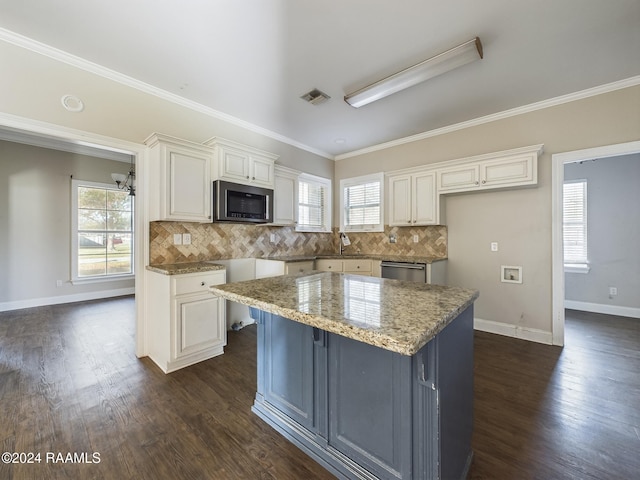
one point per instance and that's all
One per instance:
(177, 239)
(494, 246)
(186, 239)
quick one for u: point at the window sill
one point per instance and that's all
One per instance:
(576, 268)
(113, 278)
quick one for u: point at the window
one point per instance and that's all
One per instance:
(575, 226)
(361, 204)
(102, 235)
(314, 204)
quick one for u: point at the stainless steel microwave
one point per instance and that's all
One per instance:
(237, 203)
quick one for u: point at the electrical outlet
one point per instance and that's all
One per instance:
(272, 237)
(177, 239)
(613, 291)
(186, 239)
(494, 246)
(416, 239)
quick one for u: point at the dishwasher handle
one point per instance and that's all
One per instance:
(414, 266)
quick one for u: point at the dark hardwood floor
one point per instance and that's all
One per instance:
(70, 383)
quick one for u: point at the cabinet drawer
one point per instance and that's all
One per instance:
(327, 265)
(196, 283)
(298, 267)
(357, 266)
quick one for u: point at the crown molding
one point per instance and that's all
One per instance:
(532, 107)
(78, 62)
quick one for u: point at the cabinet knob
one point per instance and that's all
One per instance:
(476, 183)
(358, 266)
(247, 177)
(484, 181)
(253, 178)
(330, 267)
(202, 284)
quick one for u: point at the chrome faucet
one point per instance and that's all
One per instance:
(344, 241)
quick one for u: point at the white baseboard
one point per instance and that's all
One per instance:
(601, 308)
(78, 297)
(509, 330)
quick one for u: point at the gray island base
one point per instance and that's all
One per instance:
(361, 410)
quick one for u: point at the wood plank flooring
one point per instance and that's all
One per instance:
(70, 383)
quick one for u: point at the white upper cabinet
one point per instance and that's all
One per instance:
(285, 193)
(513, 168)
(239, 163)
(180, 180)
(413, 199)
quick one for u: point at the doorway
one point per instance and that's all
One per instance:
(34, 133)
(559, 161)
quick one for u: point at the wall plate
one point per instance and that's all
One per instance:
(511, 274)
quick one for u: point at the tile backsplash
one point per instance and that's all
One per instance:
(214, 241)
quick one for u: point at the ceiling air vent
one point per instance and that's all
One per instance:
(315, 97)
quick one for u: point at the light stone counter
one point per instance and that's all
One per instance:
(181, 268)
(398, 316)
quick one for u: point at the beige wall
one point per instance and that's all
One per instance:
(520, 220)
(35, 225)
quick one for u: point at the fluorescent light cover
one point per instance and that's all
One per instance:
(432, 67)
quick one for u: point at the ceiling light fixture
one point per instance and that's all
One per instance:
(432, 67)
(72, 103)
(126, 182)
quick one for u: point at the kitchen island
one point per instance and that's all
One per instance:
(372, 377)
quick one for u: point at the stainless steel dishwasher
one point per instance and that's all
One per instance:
(410, 272)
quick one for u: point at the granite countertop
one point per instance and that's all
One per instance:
(398, 316)
(363, 256)
(180, 268)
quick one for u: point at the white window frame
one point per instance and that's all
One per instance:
(576, 264)
(355, 181)
(325, 184)
(75, 279)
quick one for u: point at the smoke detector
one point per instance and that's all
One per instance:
(315, 97)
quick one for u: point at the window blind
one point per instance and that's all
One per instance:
(311, 204)
(314, 204)
(362, 204)
(575, 222)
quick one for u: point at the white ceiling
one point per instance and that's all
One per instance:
(253, 59)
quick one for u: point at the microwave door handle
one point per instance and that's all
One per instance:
(266, 215)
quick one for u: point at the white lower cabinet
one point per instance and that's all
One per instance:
(354, 266)
(298, 267)
(186, 322)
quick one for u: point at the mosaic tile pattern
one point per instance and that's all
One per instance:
(214, 241)
(432, 242)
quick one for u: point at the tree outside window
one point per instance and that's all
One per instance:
(103, 231)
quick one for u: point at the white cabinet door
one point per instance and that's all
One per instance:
(506, 172)
(298, 267)
(512, 169)
(285, 193)
(458, 179)
(412, 199)
(188, 185)
(328, 265)
(235, 162)
(234, 165)
(199, 324)
(261, 171)
(424, 200)
(400, 200)
(180, 180)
